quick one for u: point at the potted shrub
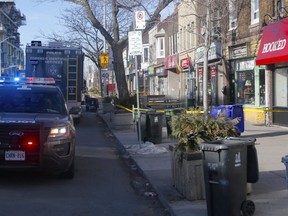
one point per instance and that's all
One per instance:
(191, 129)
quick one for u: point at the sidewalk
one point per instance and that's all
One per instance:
(269, 194)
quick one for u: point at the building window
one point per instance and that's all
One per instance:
(281, 8)
(175, 50)
(170, 42)
(188, 36)
(192, 35)
(254, 11)
(160, 47)
(185, 39)
(145, 53)
(180, 40)
(245, 87)
(232, 14)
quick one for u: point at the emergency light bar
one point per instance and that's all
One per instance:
(40, 80)
(28, 80)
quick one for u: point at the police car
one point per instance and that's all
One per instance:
(36, 129)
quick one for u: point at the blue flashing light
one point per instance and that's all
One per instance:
(16, 79)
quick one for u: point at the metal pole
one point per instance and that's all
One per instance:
(268, 94)
(138, 101)
(205, 62)
(102, 87)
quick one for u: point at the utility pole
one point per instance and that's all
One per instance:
(103, 81)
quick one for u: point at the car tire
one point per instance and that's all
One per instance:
(76, 120)
(69, 174)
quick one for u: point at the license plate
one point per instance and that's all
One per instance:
(14, 155)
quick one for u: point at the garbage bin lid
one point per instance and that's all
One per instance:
(224, 144)
(247, 140)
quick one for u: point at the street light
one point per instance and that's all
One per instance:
(1, 51)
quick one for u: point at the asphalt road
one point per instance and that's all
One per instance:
(104, 184)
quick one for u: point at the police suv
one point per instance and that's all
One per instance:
(36, 129)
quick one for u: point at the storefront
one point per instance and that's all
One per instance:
(215, 75)
(273, 53)
(161, 74)
(172, 76)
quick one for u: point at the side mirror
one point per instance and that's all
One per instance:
(75, 110)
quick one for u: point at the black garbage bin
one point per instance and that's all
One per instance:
(92, 103)
(154, 127)
(225, 164)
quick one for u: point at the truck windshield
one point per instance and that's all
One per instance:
(31, 100)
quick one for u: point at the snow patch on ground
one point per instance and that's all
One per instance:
(145, 148)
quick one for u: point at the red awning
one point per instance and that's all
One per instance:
(274, 45)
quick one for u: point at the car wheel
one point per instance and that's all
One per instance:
(76, 120)
(69, 174)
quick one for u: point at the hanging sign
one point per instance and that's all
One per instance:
(135, 42)
(140, 20)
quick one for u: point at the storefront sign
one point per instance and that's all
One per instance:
(273, 46)
(200, 72)
(170, 61)
(213, 71)
(151, 71)
(213, 53)
(185, 63)
(160, 71)
(238, 52)
(245, 65)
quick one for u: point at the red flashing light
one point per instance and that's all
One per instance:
(30, 143)
(41, 80)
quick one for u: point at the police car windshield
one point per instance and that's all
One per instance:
(15, 99)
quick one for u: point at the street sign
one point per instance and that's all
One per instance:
(104, 60)
(140, 20)
(135, 42)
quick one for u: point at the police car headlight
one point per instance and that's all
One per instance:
(59, 132)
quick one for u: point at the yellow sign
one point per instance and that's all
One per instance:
(104, 60)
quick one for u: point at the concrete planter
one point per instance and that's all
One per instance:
(187, 174)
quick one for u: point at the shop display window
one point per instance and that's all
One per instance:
(245, 87)
(262, 87)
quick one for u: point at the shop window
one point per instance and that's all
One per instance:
(280, 87)
(262, 87)
(245, 87)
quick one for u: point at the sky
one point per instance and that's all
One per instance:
(43, 17)
(40, 17)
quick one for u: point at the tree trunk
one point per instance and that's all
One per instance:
(119, 69)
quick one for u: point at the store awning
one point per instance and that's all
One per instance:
(274, 45)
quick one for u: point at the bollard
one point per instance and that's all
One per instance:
(285, 161)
